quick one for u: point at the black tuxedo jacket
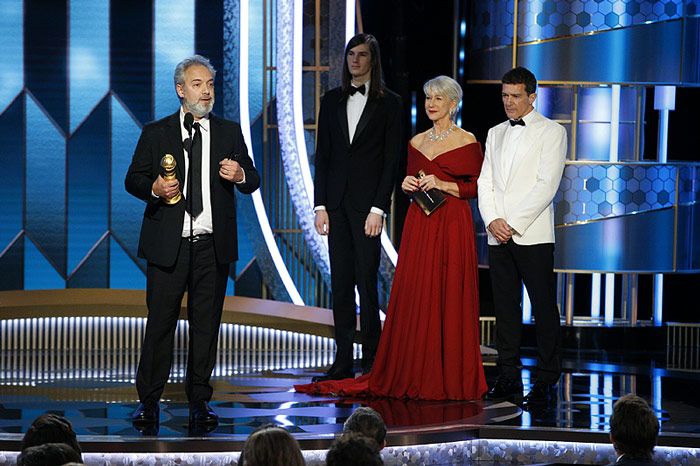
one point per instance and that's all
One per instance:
(161, 230)
(364, 170)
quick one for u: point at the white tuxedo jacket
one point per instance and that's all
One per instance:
(524, 197)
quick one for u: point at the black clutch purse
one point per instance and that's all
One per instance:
(429, 200)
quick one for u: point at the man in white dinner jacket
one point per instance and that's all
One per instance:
(523, 166)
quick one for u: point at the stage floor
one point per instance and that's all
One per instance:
(79, 359)
(99, 406)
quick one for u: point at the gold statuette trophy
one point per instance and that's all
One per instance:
(168, 163)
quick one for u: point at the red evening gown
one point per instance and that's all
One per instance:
(429, 348)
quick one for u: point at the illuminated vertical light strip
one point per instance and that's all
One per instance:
(595, 400)
(595, 295)
(614, 143)
(608, 399)
(656, 392)
(349, 20)
(174, 40)
(526, 420)
(245, 128)
(88, 57)
(290, 120)
(527, 306)
(664, 102)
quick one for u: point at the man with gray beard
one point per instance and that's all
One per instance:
(188, 235)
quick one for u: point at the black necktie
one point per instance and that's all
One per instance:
(520, 122)
(360, 89)
(195, 190)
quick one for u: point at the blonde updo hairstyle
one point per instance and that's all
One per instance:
(446, 87)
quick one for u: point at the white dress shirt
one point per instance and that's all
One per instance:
(510, 144)
(355, 106)
(203, 222)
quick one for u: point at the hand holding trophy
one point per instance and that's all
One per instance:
(168, 163)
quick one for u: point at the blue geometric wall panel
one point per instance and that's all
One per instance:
(39, 274)
(123, 271)
(11, 51)
(125, 209)
(93, 271)
(12, 266)
(131, 63)
(88, 184)
(46, 56)
(12, 173)
(79, 80)
(46, 185)
(88, 58)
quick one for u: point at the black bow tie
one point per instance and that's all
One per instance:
(360, 89)
(520, 122)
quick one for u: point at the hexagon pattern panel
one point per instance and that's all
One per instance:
(589, 192)
(492, 21)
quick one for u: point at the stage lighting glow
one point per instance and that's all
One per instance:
(290, 121)
(39, 350)
(349, 20)
(269, 237)
(173, 39)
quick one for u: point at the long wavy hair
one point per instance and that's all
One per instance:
(376, 85)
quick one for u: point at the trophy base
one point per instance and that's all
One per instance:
(173, 200)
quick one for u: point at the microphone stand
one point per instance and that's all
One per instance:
(190, 265)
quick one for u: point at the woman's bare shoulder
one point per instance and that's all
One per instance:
(465, 137)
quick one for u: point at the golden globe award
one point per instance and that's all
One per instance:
(168, 163)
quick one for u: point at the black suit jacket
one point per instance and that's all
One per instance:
(161, 230)
(366, 169)
(626, 461)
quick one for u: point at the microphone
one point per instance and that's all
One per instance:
(189, 120)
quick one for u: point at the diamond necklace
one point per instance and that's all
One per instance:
(442, 136)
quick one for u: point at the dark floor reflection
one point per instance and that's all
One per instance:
(100, 406)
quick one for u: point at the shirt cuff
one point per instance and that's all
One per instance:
(319, 208)
(378, 211)
(154, 195)
(243, 180)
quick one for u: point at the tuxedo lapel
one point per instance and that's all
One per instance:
(500, 135)
(342, 112)
(174, 136)
(526, 144)
(214, 147)
(370, 107)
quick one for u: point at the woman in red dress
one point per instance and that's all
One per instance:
(429, 348)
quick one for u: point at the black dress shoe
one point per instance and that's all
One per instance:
(334, 375)
(504, 389)
(541, 393)
(202, 414)
(146, 414)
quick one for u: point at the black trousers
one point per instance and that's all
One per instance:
(511, 265)
(354, 261)
(165, 288)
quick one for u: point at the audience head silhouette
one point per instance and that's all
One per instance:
(354, 449)
(51, 428)
(48, 454)
(633, 428)
(270, 445)
(369, 423)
